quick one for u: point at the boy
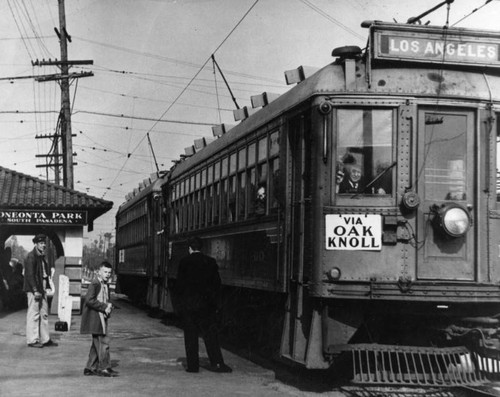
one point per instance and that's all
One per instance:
(96, 311)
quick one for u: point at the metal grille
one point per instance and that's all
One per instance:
(415, 366)
(488, 362)
(375, 391)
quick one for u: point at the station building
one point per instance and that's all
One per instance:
(29, 206)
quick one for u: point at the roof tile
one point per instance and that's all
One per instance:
(19, 190)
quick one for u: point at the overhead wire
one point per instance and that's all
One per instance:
(128, 72)
(19, 28)
(332, 19)
(192, 79)
(216, 92)
(171, 60)
(26, 19)
(116, 127)
(177, 85)
(35, 29)
(472, 12)
(150, 99)
(156, 121)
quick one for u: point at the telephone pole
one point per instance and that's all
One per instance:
(67, 143)
(64, 122)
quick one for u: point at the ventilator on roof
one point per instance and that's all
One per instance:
(263, 99)
(243, 113)
(299, 74)
(221, 129)
(189, 151)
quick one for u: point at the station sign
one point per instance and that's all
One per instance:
(43, 217)
(445, 46)
(353, 232)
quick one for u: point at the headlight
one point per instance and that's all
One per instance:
(454, 219)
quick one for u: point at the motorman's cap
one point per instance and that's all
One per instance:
(39, 237)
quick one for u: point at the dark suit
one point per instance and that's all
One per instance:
(346, 186)
(94, 321)
(198, 288)
(34, 268)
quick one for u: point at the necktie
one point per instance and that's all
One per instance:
(105, 292)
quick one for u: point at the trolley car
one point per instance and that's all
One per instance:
(141, 245)
(360, 208)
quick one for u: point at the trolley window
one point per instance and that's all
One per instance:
(445, 170)
(364, 152)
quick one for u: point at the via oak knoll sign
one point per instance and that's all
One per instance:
(353, 232)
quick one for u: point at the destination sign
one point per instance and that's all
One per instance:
(43, 217)
(353, 232)
(436, 47)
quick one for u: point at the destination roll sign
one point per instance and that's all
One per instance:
(436, 46)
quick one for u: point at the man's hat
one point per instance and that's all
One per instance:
(39, 237)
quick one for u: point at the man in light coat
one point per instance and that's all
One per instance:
(95, 315)
(37, 273)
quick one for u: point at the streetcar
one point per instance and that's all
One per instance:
(140, 261)
(357, 215)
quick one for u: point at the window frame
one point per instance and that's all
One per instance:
(356, 199)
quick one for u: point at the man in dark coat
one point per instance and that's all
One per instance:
(36, 282)
(352, 177)
(95, 314)
(198, 287)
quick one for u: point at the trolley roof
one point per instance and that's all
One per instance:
(143, 190)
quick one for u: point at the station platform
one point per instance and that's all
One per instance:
(147, 352)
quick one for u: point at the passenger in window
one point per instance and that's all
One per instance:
(260, 200)
(350, 176)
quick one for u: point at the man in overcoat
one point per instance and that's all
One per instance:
(96, 310)
(198, 286)
(36, 282)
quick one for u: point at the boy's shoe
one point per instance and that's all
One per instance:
(222, 368)
(106, 373)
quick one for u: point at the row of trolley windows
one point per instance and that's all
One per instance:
(237, 187)
(133, 232)
(133, 213)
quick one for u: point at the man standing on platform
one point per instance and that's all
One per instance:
(96, 310)
(36, 280)
(198, 287)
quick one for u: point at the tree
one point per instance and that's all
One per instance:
(98, 251)
(17, 251)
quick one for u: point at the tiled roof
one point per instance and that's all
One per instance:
(19, 190)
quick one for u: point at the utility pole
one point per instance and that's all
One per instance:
(67, 143)
(64, 121)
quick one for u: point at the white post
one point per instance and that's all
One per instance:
(65, 303)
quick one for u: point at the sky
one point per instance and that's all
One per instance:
(153, 74)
